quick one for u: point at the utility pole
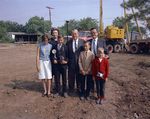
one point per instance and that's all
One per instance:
(101, 24)
(67, 29)
(49, 16)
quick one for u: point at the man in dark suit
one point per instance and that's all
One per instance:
(95, 44)
(59, 56)
(75, 46)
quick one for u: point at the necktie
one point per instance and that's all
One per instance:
(86, 53)
(59, 47)
(94, 47)
(75, 45)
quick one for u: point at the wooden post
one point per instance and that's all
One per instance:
(37, 38)
(28, 38)
(22, 38)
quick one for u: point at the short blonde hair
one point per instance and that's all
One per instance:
(101, 50)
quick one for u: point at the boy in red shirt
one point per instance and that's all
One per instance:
(100, 71)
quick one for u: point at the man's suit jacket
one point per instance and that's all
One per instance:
(62, 52)
(101, 43)
(85, 62)
(73, 57)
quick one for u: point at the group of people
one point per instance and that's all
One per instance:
(85, 60)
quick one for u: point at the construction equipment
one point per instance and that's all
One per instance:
(113, 35)
(137, 45)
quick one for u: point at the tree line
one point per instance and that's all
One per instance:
(39, 25)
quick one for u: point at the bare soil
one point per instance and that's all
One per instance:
(127, 94)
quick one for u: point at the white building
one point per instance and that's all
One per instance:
(12, 34)
(21, 37)
(133, 35)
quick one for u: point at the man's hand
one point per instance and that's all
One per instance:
(87, 72)
(93, 78)
(38, 69)
(106, 56)
(55, 62)
(106, 79)
(63, 62)
(83, 72)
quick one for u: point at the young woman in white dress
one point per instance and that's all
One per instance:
(43, 64)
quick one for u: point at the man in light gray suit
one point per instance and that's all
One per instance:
(97, 42)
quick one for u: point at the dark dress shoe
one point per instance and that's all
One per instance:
(48, 95)
(56, 95)
(101, 102)
(70, 93)
(65, 95)
(79, 92)
(82, 98)
(98, 101)
(43, 95)
(87, 98)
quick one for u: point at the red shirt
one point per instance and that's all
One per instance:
(102, 67)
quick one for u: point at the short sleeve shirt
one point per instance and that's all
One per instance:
(44, 53)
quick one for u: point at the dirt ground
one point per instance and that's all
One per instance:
(127, 94)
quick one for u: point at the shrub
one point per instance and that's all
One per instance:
(6, 39)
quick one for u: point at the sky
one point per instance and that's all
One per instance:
(22, 10)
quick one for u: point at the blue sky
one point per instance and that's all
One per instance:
(22, 10)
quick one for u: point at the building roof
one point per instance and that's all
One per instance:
(23, 33)
(16, 33)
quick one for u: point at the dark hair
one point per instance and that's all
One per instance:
(87, 42)
(93, 29)
(44, 36)
(54, 29)
(60, 36)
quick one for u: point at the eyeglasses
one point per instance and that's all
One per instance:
(93, 32)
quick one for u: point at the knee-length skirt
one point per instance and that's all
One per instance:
(45, 69)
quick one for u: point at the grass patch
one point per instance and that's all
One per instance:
(148, 61)
(144, 63)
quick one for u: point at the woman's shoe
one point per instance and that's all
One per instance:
(43, 95)
(48, 95)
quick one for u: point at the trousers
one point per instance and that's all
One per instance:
(88, 82)
(60, 69)
(72, 75)
(100, 85)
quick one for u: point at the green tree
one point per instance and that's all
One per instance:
(3, 32)
(3, 36)
(83, 24)
(120, 21)
(144, 6)
(73, 24)
(134, 28)
(87, 24)
(37, 25)
(12, 26)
